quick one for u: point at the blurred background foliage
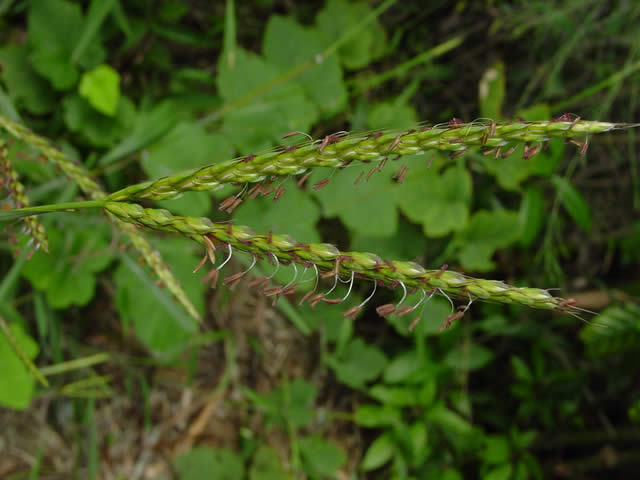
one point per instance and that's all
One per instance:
(143, 88)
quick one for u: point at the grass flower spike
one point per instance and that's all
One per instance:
(340, 151)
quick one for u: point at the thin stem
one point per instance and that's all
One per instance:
(55, 207)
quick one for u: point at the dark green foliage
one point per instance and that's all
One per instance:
(138, 90)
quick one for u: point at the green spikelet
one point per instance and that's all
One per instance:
(337, 151)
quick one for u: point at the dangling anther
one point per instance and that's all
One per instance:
(292, 134)
(508, 152)
(386, 309)
(321, 184)
(279, 192)
(359, 177)
(303, 179)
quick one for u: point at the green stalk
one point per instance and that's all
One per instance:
(327, 258)
(338, 152)
(56, 207)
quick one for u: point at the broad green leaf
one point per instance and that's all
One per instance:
(294, 213)
(150, 125)
(450, 421)
(406, 244)
(379, 452)
(634, 412)
(468, 356)
(266, 465)
(487, 232)
(510, 170)
(320, 457)
(205, 462)
(187, 146)
(521, 369)
(337, 17)
(437, 200)
(290, 403)
(496, 449)
(357, 205)
(503, 472)
(432, 315)
(573, 202)
(101, 88)
(54, 30)
(615, 330)
(491, 91)
(531, 216)
(539, 111)
(358, 363)
(98, 129)
(68, 272)
(547, 161)
(402, 367)
(396, 396)
(377, 416)
(288, 44)
(25, 87)
(392, 115)
(158, 321)
(17, 382)
(254, 126)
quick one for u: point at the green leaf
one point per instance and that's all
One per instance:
(68, 272)
(512, 169)
(615, 330)
(25, 87)
(392, 115)
(203, 462)
(288, 44)
(337, 17)
(160, 323)
(486, 233)
(266, 465)
(634, 412)
(101, 87)
(432, 315)
(98, 10)
(491, 91)
(290, 403)
(450, 420)
(358, 363)
(468, 356)
(503, 472)
(98, 129)
(531, 216)
(378, 453)
(253, 127)
(320, 457)
(17, 382)
(377, 416)
(357, 204)
(539, 111)
(294, 213)
(407, 243)
(187, 146)
(400, 396)
(521, 369)
(497, 449)
(55, 28)
(402, 367)
(573, 202)
(437, 200)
